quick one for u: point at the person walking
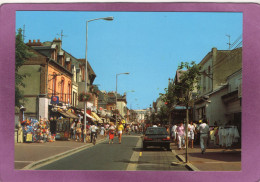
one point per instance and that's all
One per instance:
(120, 129)
(72, 127)
(79, 131)
(93, 129)
(102, 130)
(181, 135)
(111, 133)
(174, 133)
(191, 133)
(204, 134)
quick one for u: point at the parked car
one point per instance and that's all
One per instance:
(156, 136)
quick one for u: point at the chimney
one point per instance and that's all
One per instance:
(30, 41)
(214, 54)
(58, 43)
(34, 41)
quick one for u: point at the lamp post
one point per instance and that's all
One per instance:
(86, 68)
(116, 91)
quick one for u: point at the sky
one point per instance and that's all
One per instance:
(148, 45)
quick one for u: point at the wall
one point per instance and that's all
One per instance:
(206, 82)
(120, 107)
(31, 89)
(67, 80)
(227, 63)
(215, 111)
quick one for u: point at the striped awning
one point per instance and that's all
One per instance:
(93, 119)
(96, 117)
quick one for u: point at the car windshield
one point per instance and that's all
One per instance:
(156, 131)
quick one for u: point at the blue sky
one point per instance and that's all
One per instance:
(149, 45)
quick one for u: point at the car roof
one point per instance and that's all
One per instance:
(156, 127)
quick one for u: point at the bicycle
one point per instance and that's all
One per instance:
(94, 138)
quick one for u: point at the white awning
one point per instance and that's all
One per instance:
(89, 116)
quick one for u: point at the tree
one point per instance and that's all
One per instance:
(163, 114)
(21, 55)
(185, 88)
(170, 98)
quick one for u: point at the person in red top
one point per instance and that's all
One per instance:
(111, 132)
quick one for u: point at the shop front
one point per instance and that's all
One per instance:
(60, 122)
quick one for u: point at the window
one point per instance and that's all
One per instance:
(54, 80)
(62, 89)
(69, 92)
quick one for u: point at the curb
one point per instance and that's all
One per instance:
(182, 162)
(51, 159)
(188, 165)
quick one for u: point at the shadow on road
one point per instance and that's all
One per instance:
(152, 149)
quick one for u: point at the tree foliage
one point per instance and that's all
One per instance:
(190, 74)
(21, 55)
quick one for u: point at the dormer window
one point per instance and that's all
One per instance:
(67, 60)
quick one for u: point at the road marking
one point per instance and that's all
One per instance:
(24, 161)
(46, 161)
(140, 154)
(132, 166)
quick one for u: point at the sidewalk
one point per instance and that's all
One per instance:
(29, 155)
(214, 159)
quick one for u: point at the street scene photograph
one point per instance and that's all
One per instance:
(128, 91)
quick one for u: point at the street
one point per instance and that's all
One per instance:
(126, 156)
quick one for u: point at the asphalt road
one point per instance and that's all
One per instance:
(126, 156)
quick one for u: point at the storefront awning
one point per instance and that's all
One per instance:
(96, 117)
(93, 119)
(72, 115)
(68, 114)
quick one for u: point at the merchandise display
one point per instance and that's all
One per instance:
(37, 131)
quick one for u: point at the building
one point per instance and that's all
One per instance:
(220, 81)
(53, 74)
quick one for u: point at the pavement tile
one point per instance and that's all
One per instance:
(215, 159)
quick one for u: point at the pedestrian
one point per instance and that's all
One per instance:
(106, 128)
(79, 131)
(127, 129)
(174, 133)
(204, 134)
(111, 133)
(191, 132)
(72, 127)
(136, 128)
(20, 134)
(93, 129)
(102, 130)
(120, 129)
(133, 128)
(181, 136)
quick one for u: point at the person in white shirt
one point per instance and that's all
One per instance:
(204, 134)
(191, 132)
(93, 129)
(174, 133)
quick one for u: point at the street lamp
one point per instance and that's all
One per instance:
(86, 68)
(116, 91)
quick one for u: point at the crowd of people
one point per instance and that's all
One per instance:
(111, 130)
(196, 132)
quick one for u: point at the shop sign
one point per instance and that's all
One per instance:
(54, 100)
